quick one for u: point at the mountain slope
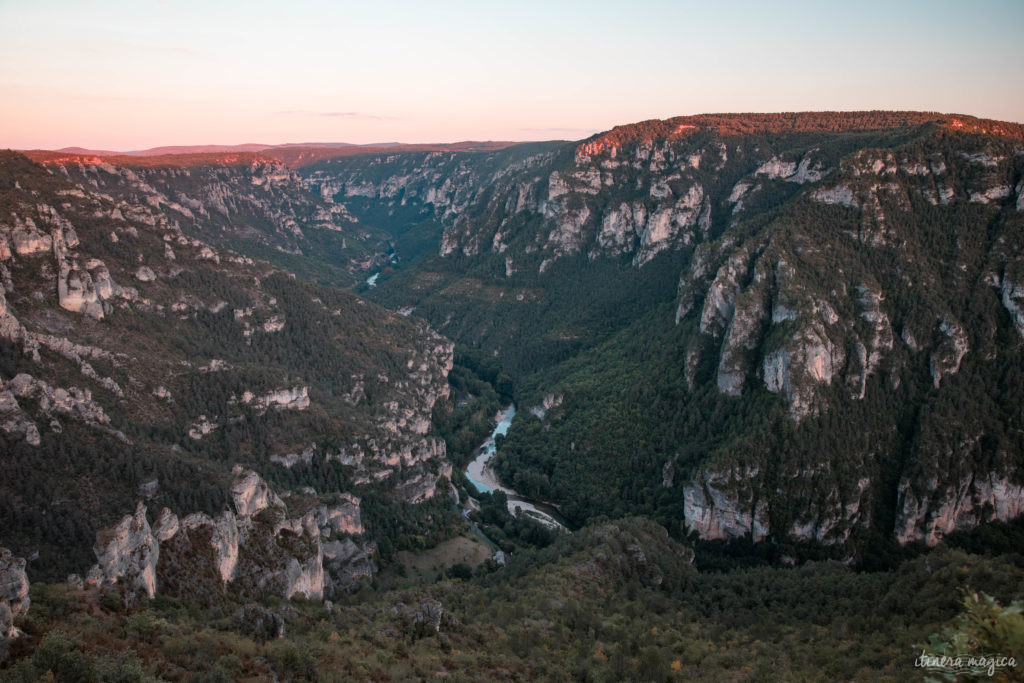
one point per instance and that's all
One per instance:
(243, 201)
(839, 362)
(138, 363)
(799, 327)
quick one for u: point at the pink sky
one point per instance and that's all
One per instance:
(131, 75)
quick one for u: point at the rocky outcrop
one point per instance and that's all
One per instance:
(14, 600)
(252, 495)
(291, 459)
(1012, 297)
(72, 402)
(296, 398)
(806, 363)
(670, 225)
(945, 360)
(342, 517)
(731, 503)
(806, 171)
(876, 344)
(13, 419)
(145, 274)
(128, 554)
(718, 505)
(839, 194)
(166, 525)
(928, 510)
(720, 300)
(201, 427)
(222, 535)
(255, 549)
(742, 336)
(547, 404)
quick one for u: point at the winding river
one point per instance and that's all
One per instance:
(483, 477)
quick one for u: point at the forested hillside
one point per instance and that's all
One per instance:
(803, 328)
(769, 368)
(140, 364)
(799, 327)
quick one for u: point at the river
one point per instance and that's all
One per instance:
(483, 477)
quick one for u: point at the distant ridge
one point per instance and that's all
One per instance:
(170, 149)
(199, 149)
(800, 122)
(83, 150)
(304, 156)
(293, 155)
(43, 156)
(296, 155)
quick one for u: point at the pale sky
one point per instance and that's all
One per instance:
(134, 74)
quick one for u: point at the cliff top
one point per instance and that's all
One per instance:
(797, 122)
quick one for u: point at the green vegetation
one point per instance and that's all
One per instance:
(633, 414)
(511, 533)
(613, 602)
(640, 402)
(984, 641)
(198, 337)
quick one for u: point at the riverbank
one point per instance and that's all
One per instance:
(482, 475)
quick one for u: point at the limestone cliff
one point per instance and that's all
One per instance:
(254, 550)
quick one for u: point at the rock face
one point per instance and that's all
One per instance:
(73, 402)
(950, 351)
(13, 419)
(547, 404)
(128, 553)
(1013, 300)
(927, 513)
(252, 495)
(665, 213)
(14, 601)
(715, 508)
(254, 550)
(281, 399)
